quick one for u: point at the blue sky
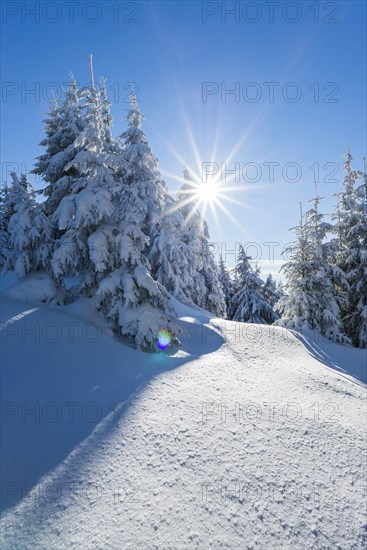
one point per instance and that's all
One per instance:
(174, 48)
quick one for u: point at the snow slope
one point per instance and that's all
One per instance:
(246, 437)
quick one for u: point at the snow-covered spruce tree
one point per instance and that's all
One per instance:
(161, 222)
(29, 231)
(214, 297)
(311, 301)
(280, 288)
(329, 281)
(135, 304)
(142, 171)
(270, 291)
(9, 196)
(346, 250)
(101, 222)
(355, 315)
(248, 304)
(6, 211)
(88, 204)
(171, 255)
(206, 288)
(226, 283)
(105, 112)
(295, 306)
(63, 125)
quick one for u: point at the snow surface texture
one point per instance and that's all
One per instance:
(195, 450)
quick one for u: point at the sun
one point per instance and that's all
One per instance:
(199, 191)
(207, 191)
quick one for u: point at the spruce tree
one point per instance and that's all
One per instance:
(6, 210)
(311, 301)
(170, 254)
(226, 282)
(248, 304)
(355, 318)
(106, 222)
(63, 126)
(270, 291)
(348, 252)
(83, 248)
(142, 172)
(135, 304)
(29, 231)
(105, 112)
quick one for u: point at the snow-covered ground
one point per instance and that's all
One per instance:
(246, 437)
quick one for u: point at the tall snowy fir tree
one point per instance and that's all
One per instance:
(171, 255)
(136, 304)
(142, 172)
(347, 251)
(248, 304)
(88, 205)
(270, 291)
(214, 297)
(63, 125)
(105, 112)
(311, 301)
(227, 285)
(5, 213)
(355, 315)
(192, 230)
(105, 199)
(29, 231)
(9, 197)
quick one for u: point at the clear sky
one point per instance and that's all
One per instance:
(297, 70)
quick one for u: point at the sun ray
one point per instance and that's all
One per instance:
(239, 203)
(230, 216)
(213, 193)
(195, 208)
(192, 139)
(180, 204)
(216, 221)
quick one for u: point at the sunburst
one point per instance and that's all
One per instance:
(211, 191)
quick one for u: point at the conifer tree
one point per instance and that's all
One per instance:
(63, 125)
(136, 304)
(6, 210)
(105, 112)
(106, 222)
(270, 291)
(355, 317)
(82, 247)
(227, 285)
(29, 231)
(142, 171)
(170, 254)
(311, 301)
(347, 252)
(248, 304)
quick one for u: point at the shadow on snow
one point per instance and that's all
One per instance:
(56, 393)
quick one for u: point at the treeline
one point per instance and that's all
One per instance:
(107, 220)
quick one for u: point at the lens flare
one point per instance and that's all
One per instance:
(164, 339)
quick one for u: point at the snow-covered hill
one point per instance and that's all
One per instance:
(246, 437)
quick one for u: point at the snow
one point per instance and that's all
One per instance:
(248, 436)
(37, 287)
